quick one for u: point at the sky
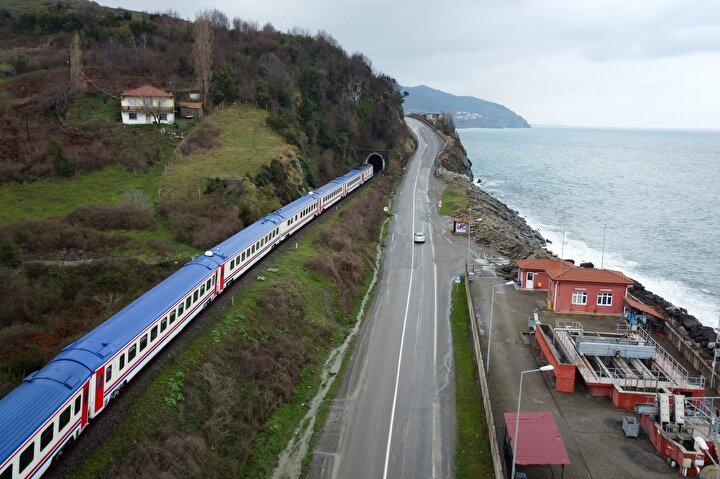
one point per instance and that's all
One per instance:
(601, 63)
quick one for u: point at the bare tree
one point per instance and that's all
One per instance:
(76, 74)
(202, 53)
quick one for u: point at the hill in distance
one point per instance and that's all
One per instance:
(468, 111)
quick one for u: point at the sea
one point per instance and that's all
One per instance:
(645, 202)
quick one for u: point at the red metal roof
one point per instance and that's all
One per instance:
(635, 303)
(589, 275)
(147, 90)
(543, 264)
(539, 441)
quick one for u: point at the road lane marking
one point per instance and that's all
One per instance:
(402, 338)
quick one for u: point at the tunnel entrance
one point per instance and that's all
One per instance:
(377, 161)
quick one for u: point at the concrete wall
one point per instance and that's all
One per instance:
(498, 463)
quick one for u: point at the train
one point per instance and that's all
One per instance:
(54, 405)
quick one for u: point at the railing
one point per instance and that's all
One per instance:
(148, 109)
(679, 375)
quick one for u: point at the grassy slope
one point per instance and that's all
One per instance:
(472, 451)
(452, 201)
(150, 415)
(247, 144)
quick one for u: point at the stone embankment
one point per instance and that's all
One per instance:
(504, 231)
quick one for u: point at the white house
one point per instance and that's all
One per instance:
(147, 104)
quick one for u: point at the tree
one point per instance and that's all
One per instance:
(202, 53)
(76, 74)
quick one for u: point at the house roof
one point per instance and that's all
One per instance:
(639, 305)
(195, 105)
(539, 441)
(543, 263)
(589, 275)
(147, 90)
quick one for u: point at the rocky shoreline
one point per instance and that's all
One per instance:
(505, 232)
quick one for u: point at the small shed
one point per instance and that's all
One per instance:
(532, 273)
(539, 442)
(587, 290)
(189, 109)
(637, 312)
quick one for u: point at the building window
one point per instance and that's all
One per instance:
(579, 297)
(162, 116)
(604, 299)
(132, 116)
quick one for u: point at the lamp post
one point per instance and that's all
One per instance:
(700, 442)
(548, 367)
(492, 306)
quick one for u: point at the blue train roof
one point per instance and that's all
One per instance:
(239, 241)
(32, 403)
(96, 347)
(296, 206)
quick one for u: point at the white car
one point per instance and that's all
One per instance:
(419, 237)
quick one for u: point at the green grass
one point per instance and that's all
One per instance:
(150, 412)
(93, 108)
(247, 144)
(57, 197)
(453, 200)
(472, 451)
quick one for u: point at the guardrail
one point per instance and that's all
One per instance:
(484, 390)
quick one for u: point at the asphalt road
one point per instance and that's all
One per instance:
(394, 415)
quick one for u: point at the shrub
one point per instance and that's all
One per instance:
(119, 216)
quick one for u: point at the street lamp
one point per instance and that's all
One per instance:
(492, 305)
(700, 442)
(548, 367)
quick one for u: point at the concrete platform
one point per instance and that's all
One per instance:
(590, 426)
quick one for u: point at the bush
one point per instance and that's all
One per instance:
(118, 216)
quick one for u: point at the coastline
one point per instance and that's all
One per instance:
(503, 231)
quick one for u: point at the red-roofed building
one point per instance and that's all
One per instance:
(587, 290)
(532, 273)
(147, 104)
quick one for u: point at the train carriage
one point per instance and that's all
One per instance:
(52, 406)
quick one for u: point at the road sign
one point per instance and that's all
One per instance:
(457, 279)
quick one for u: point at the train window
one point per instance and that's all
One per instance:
(153, 333)
(207, 285)
(99, 381)
(7, 473)
(188, 302)
(213, 281)
(242, 256)
(122, 362)
(27, 456)
(64, 419)
(143, 342)
(132, 352)
(181, 308)
(232, 264)
(172, 317)
(195, 296)
(163, 324)
(78, 403)
(202, 289)
(108, 374)
(47, 436)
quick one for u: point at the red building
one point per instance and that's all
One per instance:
(587, 290)
(532, 273)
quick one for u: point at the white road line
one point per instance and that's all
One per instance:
(402, 338)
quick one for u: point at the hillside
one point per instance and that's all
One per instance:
(94, 212)
(468, 111)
